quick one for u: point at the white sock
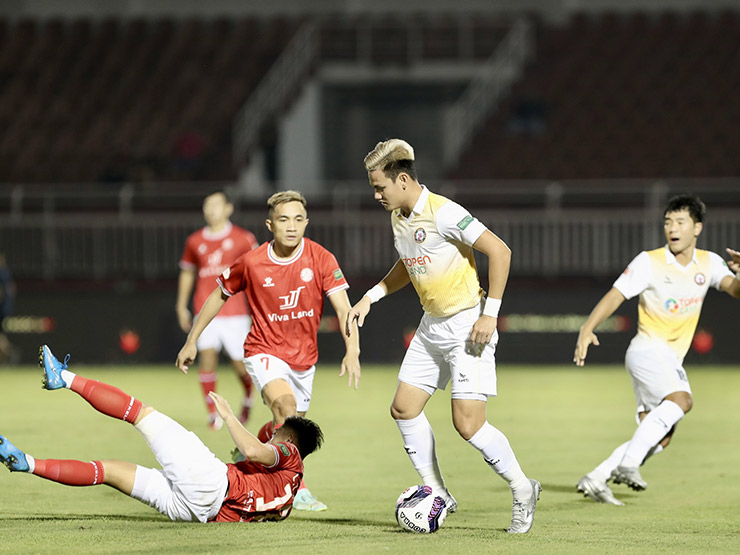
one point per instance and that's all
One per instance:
(67, 378)
(418, 441)
(497, 452)
(604, 471)
(31, 463)
(651, 430)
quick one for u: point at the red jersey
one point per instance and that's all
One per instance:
(257, 492)
(286, 298)
(209, 254)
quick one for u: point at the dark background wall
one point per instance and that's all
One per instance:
(539, 324)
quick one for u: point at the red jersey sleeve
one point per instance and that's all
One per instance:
(189, 258)
(333, 278)
(234, 278)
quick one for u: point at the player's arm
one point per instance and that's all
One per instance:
(249, 446)
(351, 360)
(185, 283)
(499, 262)
(608, 304)
(731, 285)
(397, 278)
(213, 304)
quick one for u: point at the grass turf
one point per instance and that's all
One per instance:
(561, 422)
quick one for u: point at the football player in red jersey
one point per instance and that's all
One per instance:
(192, 485)
(285, 281)
(208, 252)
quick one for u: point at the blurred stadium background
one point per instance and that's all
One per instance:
(563, 125)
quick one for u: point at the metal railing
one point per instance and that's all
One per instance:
(562, 243)
(495, 77)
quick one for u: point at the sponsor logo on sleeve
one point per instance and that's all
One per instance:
(284, 449)
(465, 222)
(338, 274)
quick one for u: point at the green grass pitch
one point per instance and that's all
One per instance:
(560, 420)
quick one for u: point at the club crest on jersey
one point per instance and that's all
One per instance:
(307, 274)
(227, 244)
(700, 279)
(420, 235)
(202, 248)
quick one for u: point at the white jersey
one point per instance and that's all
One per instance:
(435, 245)
(671, 295)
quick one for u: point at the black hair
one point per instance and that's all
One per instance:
(226, 195)
(309, 436)
(692, 203)
(392, 169)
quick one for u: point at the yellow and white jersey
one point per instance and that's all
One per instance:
(671, 295)
(434, 243)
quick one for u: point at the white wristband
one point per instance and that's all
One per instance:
(375, 293)
(491, 307)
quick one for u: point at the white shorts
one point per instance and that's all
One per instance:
(656, 372)
(226, 333)
(441, 351)
(264, 368)
(192, 483)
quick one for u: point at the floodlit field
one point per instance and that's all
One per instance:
(561, 421)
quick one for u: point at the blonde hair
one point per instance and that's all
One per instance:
(393, 157)
(285, 196)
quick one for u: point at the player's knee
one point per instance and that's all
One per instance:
(283, 407)
(467, 428)
(400, 412)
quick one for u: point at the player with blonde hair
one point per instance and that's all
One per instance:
(285, 281)
(456, 338)
(671, 282)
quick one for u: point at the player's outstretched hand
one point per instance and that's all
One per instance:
(222, 405)
(734, 264)
(584, 340)
(357, 314)
(185, 357)
(351, 367)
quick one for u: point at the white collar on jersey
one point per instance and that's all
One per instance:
(208, 235)
(422, 201)
(670, 258)
(284, 261)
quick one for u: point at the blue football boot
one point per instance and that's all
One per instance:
(12, 457)
(52, 368)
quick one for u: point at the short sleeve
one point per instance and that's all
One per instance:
(455, 222)
(636, 277)
(189, 258)
(333, 277)
(719, 270)
(233, 279)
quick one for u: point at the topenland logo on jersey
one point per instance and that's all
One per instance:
(683, 306)
(289, 302)
(420, 235)
(700, 279)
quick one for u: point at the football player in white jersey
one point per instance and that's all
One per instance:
(456, 338)
(671, 282)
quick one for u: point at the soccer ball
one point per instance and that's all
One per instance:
(421, 509)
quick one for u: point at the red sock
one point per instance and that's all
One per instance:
(70, 473)
(247, 383)
(302, 486)
(208, 379)
(266, 431)
(107, 399)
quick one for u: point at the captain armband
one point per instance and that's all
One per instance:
(491, 307)
(375, 294)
